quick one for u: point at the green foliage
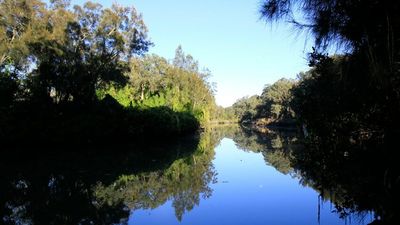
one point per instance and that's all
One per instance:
(146, 74)
(153, 82)
(354, 96)
(97, 44)
(185, 62)
(276, 101)
(223, 115)
(338, 106)
(274, 104)
(56, 60)
(104, 122)
(245, 108)
(67, 54)
(21, 24)
(60, 65)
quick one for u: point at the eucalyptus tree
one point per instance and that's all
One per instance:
(245, 108)
(146, 74)
(276, 100)
(155, 81)
(185, 61)
(99, 44)
(20, 24)
(68, 53)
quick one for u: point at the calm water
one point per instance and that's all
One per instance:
(250, 191)
(226, 176)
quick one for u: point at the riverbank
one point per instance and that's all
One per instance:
(105, 122)
(263, 125)
(223, 122)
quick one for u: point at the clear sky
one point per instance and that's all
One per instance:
(226, 36)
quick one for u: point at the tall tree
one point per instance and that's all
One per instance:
(185, 62)
(97, 46)
(21, 23)
(245, 108)
(370, 32)
(276, 100)
(146, 73)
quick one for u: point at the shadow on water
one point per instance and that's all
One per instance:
(356, 179)
(89, 186)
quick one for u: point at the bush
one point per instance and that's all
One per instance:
(104, 122)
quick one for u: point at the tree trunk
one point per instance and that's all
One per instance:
(142, 92)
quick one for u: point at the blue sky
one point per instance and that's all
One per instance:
(226, 36)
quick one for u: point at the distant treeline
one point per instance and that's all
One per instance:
(81, 74)
(273, 106)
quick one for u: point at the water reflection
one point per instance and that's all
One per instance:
(99, 187)
(184, 182)
(357, 180)
(275, 145)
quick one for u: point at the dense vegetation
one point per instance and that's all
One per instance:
(273, 106)
(154, 82)
(349, 103)
(81, 74)
(355, 93)
(352, 96)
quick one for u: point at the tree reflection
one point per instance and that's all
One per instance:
(99, 187)
(184, 182)
(353, 178)
(275, 145)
